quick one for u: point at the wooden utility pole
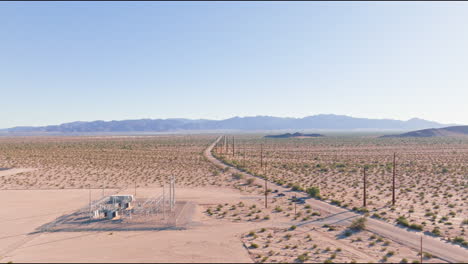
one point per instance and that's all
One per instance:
(243, 159)
(90, 213)
(421, 251)
(295, 202)
(261, 155)
(227, 144)
(266, 192)
(393, 180)
(364, 179)
(233, 153)
(164, 201)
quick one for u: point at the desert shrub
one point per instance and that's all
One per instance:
(360, 210)
(402, 221)
(336, 202)
(436, 231)
(303, 257)
(237, 176)
(296, 187)
(278, 209)
(376, 215)
(358, 224)
(253, 245)
(460, 240)
(313, 192)
(416, 227)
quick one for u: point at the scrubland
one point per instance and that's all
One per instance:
(431, 175)
(431, 194)
(105, 162)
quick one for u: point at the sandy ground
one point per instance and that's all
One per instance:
(219, 237)
(206, 240)
(9, 172)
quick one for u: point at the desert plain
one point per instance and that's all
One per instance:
(44, 178)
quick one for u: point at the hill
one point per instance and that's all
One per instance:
(331, 122)
(295, 135)
(436, 132)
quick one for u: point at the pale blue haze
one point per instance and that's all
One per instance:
(69, 61)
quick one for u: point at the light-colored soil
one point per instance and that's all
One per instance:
(317, 245)
(66, 164)
(207, 239)
(9, 172)
(431, 174)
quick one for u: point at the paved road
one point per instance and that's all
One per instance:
(443, 250)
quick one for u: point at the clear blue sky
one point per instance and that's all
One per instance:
(69, 61)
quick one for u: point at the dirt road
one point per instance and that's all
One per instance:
(435, 246)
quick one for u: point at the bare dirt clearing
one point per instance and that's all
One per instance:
(205, 240)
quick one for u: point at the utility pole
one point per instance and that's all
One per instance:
(295, 202)
(173, 191)
(227, 144)
(164, 201)
(364, 200)
(233, 153)
(170, 193)
(421, 250)
(90, 215)
(261, 155)
(266, 192)
(243, 158)
(393, 180)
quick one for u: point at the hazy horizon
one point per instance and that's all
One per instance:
(85, 61)
(229, 118)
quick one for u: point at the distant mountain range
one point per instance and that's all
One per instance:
(295, 135)
(320, 122)
(436, 132)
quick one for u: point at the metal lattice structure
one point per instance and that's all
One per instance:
(123, 212)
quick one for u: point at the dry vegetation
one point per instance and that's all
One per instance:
(432, 175)
(79, 162)
(327, 244)
(432, 181)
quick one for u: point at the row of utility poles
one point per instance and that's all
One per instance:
(223, 147)
(263, 166)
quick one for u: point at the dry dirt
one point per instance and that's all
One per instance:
(431, 174)
(64, 168)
